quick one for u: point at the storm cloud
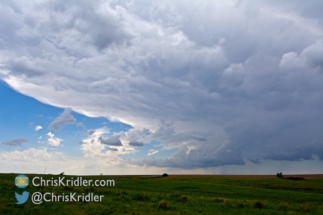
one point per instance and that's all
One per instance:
(220, 81)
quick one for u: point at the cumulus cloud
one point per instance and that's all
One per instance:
(52, 140)
(64, 118)
(233, 88)
(38, 127)
(15, 142)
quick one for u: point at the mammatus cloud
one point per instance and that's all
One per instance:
(52, 140)
(38, 127)
(15, 142)
(64, 118)
(233, 81)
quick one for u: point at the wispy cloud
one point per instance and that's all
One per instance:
(15, 142)
(152, 152)
(64, 118)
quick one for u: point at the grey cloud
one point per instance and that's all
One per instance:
(256, 161)
(210, 67)
(305, 152)
(194, 159)
(12, 5)
(101, 27)
(90, 132)
(109, 85)
(311, 10)
(199, 138)
(64, 118)
(202, 150)
(167, 133)
(25, 66)
(15, 142)
(135, 143)
(112, 141)
(112, 149)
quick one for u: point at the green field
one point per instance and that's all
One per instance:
(236, 195)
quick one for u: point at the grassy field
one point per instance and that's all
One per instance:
(176, 195)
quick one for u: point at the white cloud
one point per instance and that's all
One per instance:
(32, 154)
(35, 160)
(152, 152)
(39, 140)
(38, 127)
(52, 140)
(94, 146)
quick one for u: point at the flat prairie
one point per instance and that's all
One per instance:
(173, 194)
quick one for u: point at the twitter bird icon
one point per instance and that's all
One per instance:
(21, 198)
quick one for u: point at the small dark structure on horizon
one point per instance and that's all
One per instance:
(165, 175)
(280, 175)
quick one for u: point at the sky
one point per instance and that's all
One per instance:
(147, 87)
